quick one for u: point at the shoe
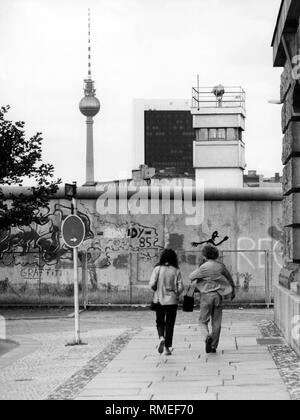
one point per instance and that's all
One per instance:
(161, 346)
(214, 351)
(208, 342)
(167, 352)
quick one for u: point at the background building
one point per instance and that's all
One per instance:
(254, 180)
(219, 121)
(164, 136)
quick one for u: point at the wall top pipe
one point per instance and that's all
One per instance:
(188, 193)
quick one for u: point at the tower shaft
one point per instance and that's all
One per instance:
(90, 170)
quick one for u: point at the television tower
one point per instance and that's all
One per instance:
(89, 106)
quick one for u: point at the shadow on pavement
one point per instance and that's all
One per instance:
(6, 346)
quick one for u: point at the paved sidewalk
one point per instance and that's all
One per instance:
(242, 370)
(41, 362)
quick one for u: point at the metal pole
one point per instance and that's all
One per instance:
(40, 280)
(268, 287)
(76, 291)
(84, 280)
(130, 277)
(198, 89)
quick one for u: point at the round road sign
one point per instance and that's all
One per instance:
(73, 231)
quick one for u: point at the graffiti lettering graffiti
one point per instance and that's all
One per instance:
(143, 237)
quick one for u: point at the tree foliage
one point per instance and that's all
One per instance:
(21, 158)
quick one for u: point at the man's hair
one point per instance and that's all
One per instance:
(210, 252)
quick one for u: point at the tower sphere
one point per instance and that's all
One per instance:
(89, 106)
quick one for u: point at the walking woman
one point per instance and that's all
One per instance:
(166, 281)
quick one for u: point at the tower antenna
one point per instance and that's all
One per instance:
(89, 106)
(89, 45)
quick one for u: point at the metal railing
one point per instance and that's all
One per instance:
(204, 97)
(26, 277)
(266, 266)
(252, 270)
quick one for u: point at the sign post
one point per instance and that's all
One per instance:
(73, 232)
(76, 291)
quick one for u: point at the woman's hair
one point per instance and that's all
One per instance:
(210, 252)
(168, 257)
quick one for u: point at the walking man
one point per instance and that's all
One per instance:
(213, 281)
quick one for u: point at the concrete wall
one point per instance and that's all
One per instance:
(287, 315)
(36, 266)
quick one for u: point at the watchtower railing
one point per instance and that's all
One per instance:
(204, 97)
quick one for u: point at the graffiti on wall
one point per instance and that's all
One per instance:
(243, 281)
(273, 243)
(142, 237)
(212, 240)
(40, 252)
(44, 239)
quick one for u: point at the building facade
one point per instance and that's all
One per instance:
(164, 136)
(286, 46)
(254, 180)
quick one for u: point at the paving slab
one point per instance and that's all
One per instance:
(171, 388)
(143, 397)
(184, 396)
(42, 367)
(246, 341)
(242, 369)
(253, 396)
(110, 392)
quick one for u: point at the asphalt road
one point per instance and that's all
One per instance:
(27, 322)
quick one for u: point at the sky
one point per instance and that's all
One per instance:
(150, 49)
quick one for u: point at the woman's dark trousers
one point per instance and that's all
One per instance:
(165, 321)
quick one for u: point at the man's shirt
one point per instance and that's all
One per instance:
(212, 276)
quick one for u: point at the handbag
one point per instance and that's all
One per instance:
(188, 300)
(155, 306)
